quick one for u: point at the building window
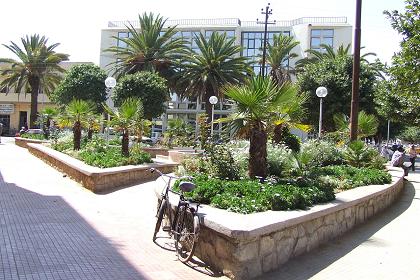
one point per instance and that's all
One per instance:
(229, 33)
(252, 44)
(122, 35)
(321, 36)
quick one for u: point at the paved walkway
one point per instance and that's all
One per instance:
(52, 228)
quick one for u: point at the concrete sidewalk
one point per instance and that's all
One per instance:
(386, 247)
(52, 228)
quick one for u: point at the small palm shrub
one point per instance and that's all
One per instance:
(360, 155)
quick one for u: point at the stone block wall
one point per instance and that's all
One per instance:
(23, 142)
(242, 254)
(98, 179)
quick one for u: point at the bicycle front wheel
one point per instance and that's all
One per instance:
(186, 236)
(160, 214)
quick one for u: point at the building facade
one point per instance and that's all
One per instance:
(311, 32)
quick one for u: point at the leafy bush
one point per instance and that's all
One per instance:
(411, 134)
(279, 159)
(221, 163)
(33, 136)
(320, 153)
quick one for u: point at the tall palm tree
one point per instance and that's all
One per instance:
(278, 56)
(38, 69)
(76, 113)
(257, 101)
(216, 64)
(125, 119)
(152, 48)
(328, 53)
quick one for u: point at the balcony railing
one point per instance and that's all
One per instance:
(233, 22)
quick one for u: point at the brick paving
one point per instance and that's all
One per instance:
(52, 228)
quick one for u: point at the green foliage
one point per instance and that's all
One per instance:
(343, 177)
(204, 132)
(220, 162)
(316, 153)
(248, 196)
(33, 136)
(149, 87)
(83, 82)
(335, 74)
(178, 133)
(290, 140)
(405, 74)
(279, 158)
(357, 154)
(411, 134)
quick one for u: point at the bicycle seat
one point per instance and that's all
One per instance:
(186, 186)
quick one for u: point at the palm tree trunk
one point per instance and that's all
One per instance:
(90, 133)
(77, 135)
(277, 133)
(258, 152)
(124, 147)
(34, 83)
(208, 106)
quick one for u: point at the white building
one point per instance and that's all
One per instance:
(309, 31)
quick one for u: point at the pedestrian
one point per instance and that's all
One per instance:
(397, 159)
(1, 130)
(412, 154)
(384, 152)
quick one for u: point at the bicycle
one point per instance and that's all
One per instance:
(183, 225)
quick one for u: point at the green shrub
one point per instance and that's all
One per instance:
(279, 160)
(358, 154)
(320, 153)
(33, 136)
(221, 163)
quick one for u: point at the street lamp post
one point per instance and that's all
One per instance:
(213, 101)
(321, 92)
(110, 83)
(267, 13)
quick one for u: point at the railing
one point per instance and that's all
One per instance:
(233, 22)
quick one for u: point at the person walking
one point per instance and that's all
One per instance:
(412, 154)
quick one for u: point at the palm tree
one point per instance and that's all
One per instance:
(367, 125)
(257, 101)
(76, 113)
(45, 117)
(38, 69)
(152, 48)
(124, 120)
(328, 52)
(217, 64)
(278, 56)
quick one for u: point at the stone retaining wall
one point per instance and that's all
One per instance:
(98, 179)
(246, 246)
(23, 142)
(156, 151)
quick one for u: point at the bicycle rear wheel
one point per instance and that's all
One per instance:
(186, 236)
(160, 214)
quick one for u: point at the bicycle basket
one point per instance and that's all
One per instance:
(186, 186)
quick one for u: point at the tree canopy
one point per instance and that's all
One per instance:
(336, 75)
(149, 87)
(82, 82)
(405, 69)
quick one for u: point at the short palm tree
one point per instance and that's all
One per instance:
(367, 125)
(37, 70)
(257, 101)
(76, 113)
(217, 64)
(45, 117)
(152, 48)
(124, 119)
(278, 55)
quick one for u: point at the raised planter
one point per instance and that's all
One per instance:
(181, 154)
(99, 179)
(156, 151)
(23, 142)
(246, 246)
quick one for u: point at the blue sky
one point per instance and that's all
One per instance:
(77, 24)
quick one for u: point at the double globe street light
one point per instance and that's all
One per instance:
(213, 101)
(321, 92)
(110, 83)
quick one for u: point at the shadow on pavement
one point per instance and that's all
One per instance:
(43, 237)
(309, 264)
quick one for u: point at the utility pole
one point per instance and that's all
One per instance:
(267, 13)
(354, 113)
